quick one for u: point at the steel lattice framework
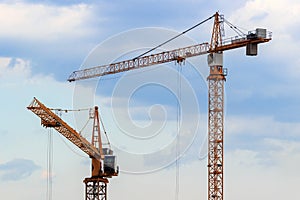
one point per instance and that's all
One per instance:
(175, 55)
(51, 120)
(215, 132)
(95, 188)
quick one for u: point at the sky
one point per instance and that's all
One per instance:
(43, 42)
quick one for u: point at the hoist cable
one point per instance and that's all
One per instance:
(49, 164)
(178, 134)
(70, 147)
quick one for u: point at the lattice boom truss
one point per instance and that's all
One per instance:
(50, 119)
(164, 57)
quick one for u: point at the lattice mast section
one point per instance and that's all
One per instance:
(215, 133)
(95, 188)
(216, 80)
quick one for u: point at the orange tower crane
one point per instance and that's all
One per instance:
(216, 79)
(103, 160)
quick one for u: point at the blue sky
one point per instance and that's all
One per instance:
(42, 42)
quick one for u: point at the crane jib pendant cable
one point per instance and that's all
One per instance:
(173, 38)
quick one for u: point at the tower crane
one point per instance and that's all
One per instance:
(216, 79)
(103, 160)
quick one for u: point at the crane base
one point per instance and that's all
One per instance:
(95, 188)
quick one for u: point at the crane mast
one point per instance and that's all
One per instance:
(216, 80)
(96, 185)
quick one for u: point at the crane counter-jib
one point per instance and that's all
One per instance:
(51, 120)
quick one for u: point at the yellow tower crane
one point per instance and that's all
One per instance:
(216, 79)
(103, 160)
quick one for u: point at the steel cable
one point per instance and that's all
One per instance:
(49, 164)
(176, 36)
(177, 178)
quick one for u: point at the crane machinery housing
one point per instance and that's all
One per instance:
(216, 78)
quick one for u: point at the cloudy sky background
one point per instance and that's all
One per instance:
(42, 42)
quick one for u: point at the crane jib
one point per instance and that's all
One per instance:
(51, 120)
(145, 61)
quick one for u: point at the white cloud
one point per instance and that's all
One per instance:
(17, 169)
(280, 17)
(13, 67)
(17, 82)
(18, 87)
(248, 175)
(25, 138)
(260, 126)
(267, 13)
(43, 22)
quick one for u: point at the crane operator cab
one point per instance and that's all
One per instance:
(110, 163)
